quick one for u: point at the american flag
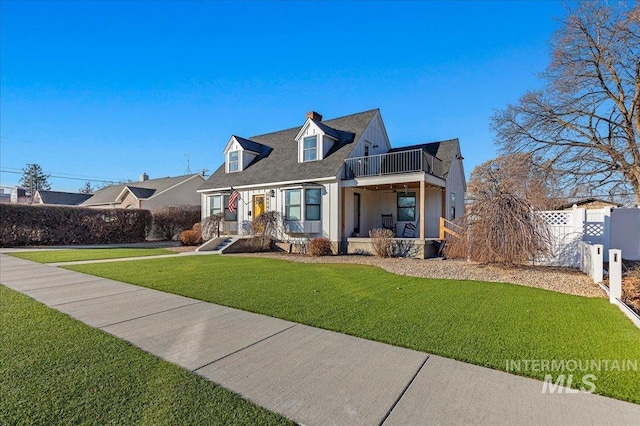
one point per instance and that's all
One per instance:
(233, 201)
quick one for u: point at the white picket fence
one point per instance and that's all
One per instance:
(607, 227)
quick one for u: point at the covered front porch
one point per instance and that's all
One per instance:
(411, 209)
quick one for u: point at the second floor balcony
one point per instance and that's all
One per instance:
(410, 161)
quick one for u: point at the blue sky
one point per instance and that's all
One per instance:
(109, 90)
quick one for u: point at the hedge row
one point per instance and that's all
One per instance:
(22, 225)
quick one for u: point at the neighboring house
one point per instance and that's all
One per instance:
(60, 198)
(589, 204)
(148, 193)
(335, 179)
(4, 197)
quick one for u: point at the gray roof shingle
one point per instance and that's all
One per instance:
(141, 193)
(443, 150)
(252, 146)
(281, 164)
(63, 198)
(144, 189)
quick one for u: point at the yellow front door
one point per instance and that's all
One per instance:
(258, 205)
(258, 209)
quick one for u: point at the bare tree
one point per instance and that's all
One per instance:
(500, 228)
(516, 174)
(585, 123)
(86, 188)
(169, 221)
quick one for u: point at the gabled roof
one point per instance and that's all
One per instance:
(139, 193)
(281, 163)
(584, 201)
(63, 198)
(443, 150)
(252, 146)
(328, 130)
(143, 189)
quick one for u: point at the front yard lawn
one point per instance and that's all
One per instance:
(53, 256)
(56, 370)
(482, 323)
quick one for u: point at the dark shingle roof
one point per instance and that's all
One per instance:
(443, 150)
(281, 163)
(63, 198)
(584, 201)
(109, 194)
(252, 146)
(141, 193)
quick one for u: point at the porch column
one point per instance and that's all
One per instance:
(422, 202)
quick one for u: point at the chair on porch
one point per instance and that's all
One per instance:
(409, 230)
(387, 223)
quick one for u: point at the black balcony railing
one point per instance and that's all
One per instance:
(410, 161)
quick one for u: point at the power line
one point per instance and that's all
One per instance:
(57, 176)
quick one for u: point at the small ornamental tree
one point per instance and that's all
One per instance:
(501, 228)
(266, 227)
(210, 226)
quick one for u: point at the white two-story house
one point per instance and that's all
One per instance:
(338, 179)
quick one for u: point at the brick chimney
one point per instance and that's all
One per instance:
(144, 177)
(314, 116)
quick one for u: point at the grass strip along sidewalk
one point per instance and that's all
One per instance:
(56, 370)
(488, 324)
(72, 255)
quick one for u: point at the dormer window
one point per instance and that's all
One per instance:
(234, 161)
(310, 149)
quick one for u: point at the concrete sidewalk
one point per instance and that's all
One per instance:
(310, 375)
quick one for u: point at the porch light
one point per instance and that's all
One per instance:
(272, 193)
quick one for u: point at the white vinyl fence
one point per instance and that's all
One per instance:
(607, 227)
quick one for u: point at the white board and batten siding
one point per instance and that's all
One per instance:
(455, 184)
(327, 226)
(375, 136)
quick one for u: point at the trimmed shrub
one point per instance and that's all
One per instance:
(190, 238)
(320, 247)
(382, 242)
(169, 221)
(23, 225)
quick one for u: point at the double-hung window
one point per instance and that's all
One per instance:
(220, 204)
(292, 204)
(234, 161)
(312, 204)
(294, 207)
(407, 207)
(310, 148)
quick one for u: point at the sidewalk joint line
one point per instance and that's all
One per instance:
(97, 297)
(242, 349)
(148, 315)
(65, 285)
(386, 416)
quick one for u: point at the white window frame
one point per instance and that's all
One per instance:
(224, 207)
(237, 161)
(303, 204)
(314, 149)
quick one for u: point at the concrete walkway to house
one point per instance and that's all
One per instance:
(310, 375)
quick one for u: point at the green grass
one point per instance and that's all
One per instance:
(55, 370)
(53, 256)
(477, 322)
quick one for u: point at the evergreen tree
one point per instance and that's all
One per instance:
(33, 179)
